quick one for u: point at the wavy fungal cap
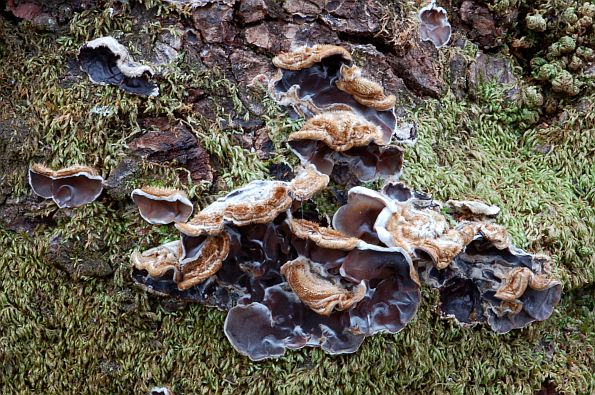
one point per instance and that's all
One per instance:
(106, 61)
(313, 286)
(307, 182)
(305, 57)
(323, 237)
(162, 205)
(258, 202)
(434, 25)
(340, 130)
(192, 260)
(365, 91)
(68, 187)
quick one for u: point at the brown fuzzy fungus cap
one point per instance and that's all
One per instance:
(317, 290)
(69, 187)
(347, 139)
(307, 182)
(258, 202)
(516, 281)
(306, 57)
(364, 91)
(162, 205)
(340, 131)
(434, 25)
(191, 260)
(323, 237)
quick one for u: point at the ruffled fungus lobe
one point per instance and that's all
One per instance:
(162, 205)
(312, 285)
(505, 287)
(69, 187)
(434, 25)
(106, 61)
(343, 137)
(363, 90)
(258, 202)
(307, 182)
(481, 277)
(340, 130)
(309, 80)
(187, 262)
(472, 209)
(323, 237)
(306, 57)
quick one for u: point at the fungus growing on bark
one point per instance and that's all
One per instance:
(69, 187)
(503, 286)
(331, 295)
(364, 90)
(306, 57)
(481, 277)
(258, 202)
(186, 262)
(317, 289)
(343, 137)
(106, 61)
(316, 79)
(434, 25)
(288, 283)
(162, 205)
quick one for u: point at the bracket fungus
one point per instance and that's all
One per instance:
(106, 61)
(189, 261)
(343, 137)
(322, 78)
(260, 201)
(364, 90)
(287, 283)
(162, 205)
(434, 25)
(315, 287)
(330, 294)
(480, 275)
(69, 187)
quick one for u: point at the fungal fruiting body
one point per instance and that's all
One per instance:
(316, 290)
(69, 187)
(106, 61)
(287, 283)
(162, 205)
(313, 80)
(364, 90)
(480, 275)
(434, 25)
(347, 139)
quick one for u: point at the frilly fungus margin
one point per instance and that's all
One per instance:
(290, 283)
(480, 275)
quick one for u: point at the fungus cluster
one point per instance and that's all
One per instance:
(480, 275)
(351, 120)
(106, 61)
(288, 282)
